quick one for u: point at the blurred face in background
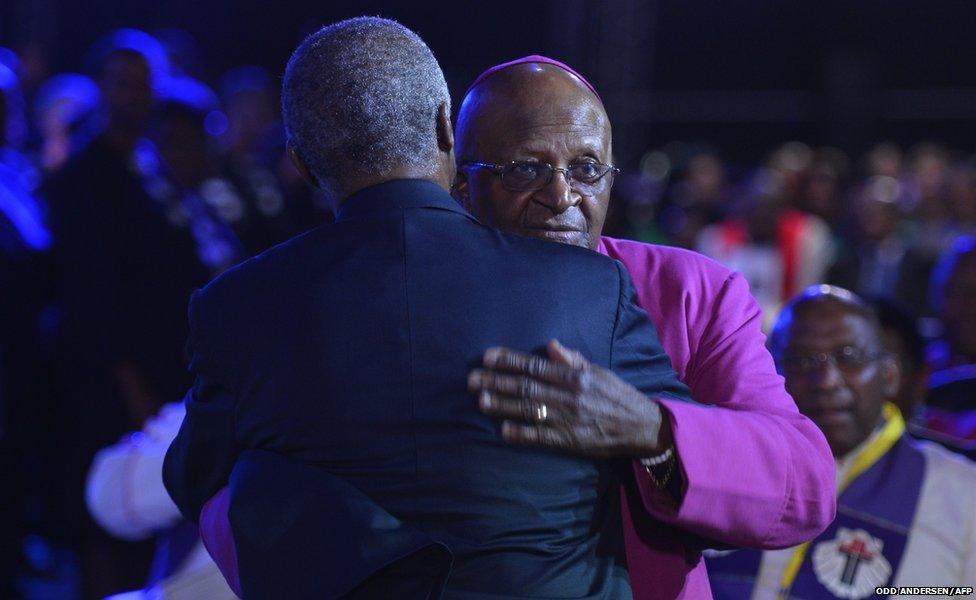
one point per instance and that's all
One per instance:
(251, 114)
(959, 308)
(884, 159)
(876, 209)
(790, 165)
(56, 131)
(962, 194)
(821, 195)
(762, 214)
(706, 178)
(930, 169)
(61, 106)
(183, 146)
(822, 191)
(126, 86)
(844, 394)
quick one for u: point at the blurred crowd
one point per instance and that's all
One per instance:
(122, 190)
(895, 226)
(125, 188)
(877, 224)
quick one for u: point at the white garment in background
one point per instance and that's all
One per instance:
(126, 496)
(941, 545)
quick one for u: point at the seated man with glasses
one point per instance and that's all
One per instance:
(906, 513)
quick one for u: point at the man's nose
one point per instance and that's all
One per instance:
(827, 376)
(558, 194)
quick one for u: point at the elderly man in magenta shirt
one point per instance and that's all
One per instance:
(755, 471)
(748, 471)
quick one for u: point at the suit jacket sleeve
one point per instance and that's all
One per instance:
(201, 458)
(757, 473)
(636, 354)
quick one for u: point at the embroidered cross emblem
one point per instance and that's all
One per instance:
(856, 551)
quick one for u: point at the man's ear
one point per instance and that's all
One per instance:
(460, 189)
(300, 165)
(891, 372)
(445, 133)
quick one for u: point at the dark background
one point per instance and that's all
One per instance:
(745, 75)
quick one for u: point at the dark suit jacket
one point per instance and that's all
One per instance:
(344, 354)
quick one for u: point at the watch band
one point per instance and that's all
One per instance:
(659, 459)
(660, 468)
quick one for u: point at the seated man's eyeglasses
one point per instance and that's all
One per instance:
(849, 360)
(586, 178)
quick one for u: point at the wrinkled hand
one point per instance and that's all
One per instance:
(566, 403)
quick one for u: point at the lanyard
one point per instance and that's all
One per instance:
(893, 429)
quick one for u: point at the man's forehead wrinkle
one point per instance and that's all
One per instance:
(582, 138)
(804, 333)
(556, 108)
(829, 326)
(550, 112)
(562, 138)
(561, 126)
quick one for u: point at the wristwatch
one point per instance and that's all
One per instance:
(661, 467)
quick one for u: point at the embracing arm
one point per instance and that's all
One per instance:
(752, 470)
(201, 458)
(757, 472)
(567, 403)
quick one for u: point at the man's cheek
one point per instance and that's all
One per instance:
(514, 211)
(595, 213)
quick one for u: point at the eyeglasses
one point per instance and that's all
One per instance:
(849, 359)
(586, 178)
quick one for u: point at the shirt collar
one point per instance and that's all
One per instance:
(844, 463)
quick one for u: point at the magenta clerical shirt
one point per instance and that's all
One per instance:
(758, 473)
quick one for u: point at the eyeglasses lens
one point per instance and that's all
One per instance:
(585, 178)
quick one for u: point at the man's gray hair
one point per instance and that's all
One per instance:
(361, 97)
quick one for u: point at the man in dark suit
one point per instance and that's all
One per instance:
(331, 371)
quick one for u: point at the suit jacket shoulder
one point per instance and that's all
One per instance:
(235, 300)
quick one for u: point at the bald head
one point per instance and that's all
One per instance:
(820, 299)
(525, 95)
(535, 112)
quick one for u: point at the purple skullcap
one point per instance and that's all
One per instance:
(535, 58)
